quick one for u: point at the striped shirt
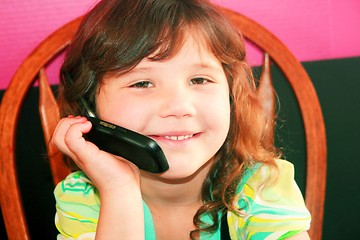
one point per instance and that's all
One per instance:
(276, 211)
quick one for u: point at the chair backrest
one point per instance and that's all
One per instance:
(33, 68)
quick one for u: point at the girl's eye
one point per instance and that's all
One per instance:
(198, 81)
(142, 84)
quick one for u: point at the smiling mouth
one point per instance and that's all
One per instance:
(179, 138)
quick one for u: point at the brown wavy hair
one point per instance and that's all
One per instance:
(117, 34)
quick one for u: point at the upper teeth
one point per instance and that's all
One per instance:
(178, 138)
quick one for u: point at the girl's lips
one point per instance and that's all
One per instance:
(174, 137)
(179, 138)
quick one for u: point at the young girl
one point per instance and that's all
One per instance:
(175, 71)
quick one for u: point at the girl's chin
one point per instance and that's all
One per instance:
(182, 172)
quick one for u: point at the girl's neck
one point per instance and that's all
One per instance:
(174, 192)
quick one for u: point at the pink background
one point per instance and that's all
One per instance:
(312, 29)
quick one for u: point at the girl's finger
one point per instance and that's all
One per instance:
(60, 131)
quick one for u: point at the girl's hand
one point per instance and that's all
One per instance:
(108, 172)
(117, 180)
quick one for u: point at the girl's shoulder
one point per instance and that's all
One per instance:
(262, 177)
(77, 187)
(270, 204)
(77, 207)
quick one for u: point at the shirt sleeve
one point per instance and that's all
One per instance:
(77, 207)
(269, 210)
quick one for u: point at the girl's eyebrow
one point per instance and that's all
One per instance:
(137, 69)
(201, 65)
(141, 69)
(205, 65)
(209, 66)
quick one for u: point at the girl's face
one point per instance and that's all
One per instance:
(182, 103)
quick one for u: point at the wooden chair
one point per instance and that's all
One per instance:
(33, 67)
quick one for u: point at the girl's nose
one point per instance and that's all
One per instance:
(178, 102)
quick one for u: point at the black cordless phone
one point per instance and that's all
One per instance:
(141, 150)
